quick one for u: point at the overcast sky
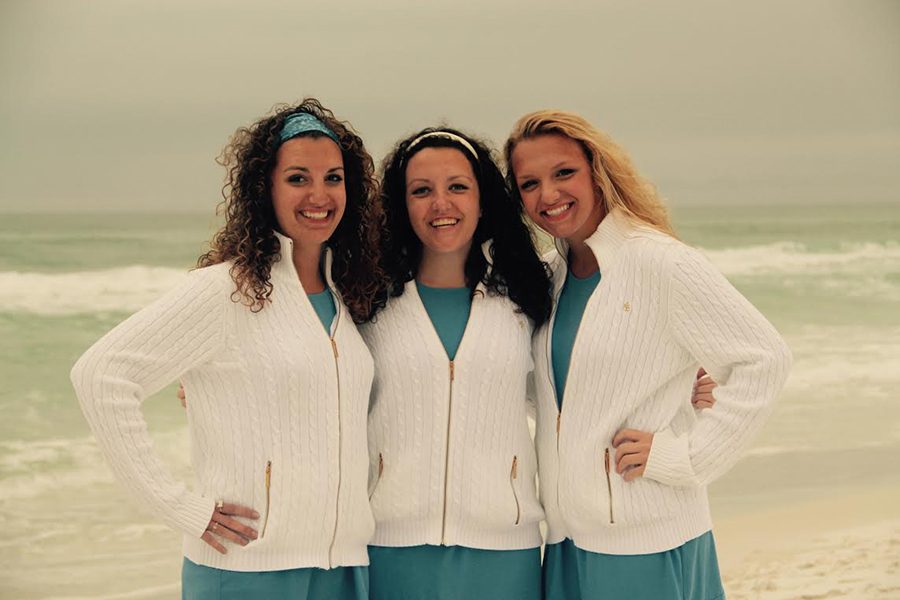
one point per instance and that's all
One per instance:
(123, 105)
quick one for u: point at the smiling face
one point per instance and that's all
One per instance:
(554, 179)
(308, 191)
(442, 199)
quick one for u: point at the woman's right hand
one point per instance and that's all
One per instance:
(223, 525)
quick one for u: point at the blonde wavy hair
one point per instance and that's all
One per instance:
(619, 183)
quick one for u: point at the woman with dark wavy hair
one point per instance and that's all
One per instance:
(262, 336)
(452, 461)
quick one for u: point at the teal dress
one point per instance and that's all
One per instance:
(199, 582)
(452, 572)
(323, 303)
(689, 572)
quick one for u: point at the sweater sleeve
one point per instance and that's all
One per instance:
(140, 356)
(741, 350)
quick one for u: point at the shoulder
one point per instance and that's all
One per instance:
(666, 254)
(554, 260)
(214, 277)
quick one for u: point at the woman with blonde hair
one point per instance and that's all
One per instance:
(624, 459)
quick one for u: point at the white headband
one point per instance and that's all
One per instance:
(445, 135)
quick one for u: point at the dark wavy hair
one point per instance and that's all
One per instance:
(517, 271)
(248, 237)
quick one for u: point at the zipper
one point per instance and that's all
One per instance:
(513, 473)
(337, 375)
(553, 388)
(452, 367)
(609, 486)
(380, 471)
(447, 453)
(268, 497)
(553, 375)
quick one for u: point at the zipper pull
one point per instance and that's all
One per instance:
(452, 370)
(606, 460)
(268, 475)
(380, 464)
(334, 347)
(515, 467)
(558, 419)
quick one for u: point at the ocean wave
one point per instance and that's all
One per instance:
(125, 289)
(795, 258)
(34, 468)
(871, 267)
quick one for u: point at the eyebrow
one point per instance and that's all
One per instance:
(306, 170)
(554, 167)
(452, 177)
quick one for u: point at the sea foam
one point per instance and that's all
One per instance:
(870, 266)
(124, 289)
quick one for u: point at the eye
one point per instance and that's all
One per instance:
(565, 172)
(458, 187)
(296, 178)
(420, 191)
(334, 178)
(528, 185)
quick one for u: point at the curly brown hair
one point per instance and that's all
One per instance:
(248, 238)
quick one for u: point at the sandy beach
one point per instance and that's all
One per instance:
(844, 547)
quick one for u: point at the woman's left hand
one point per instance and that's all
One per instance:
(702, 396)
(632, 451)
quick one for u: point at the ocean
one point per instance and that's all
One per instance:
(827, 277)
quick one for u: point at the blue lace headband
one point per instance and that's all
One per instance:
(303, 122)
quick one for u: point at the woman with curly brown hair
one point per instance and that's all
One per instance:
(262, 336)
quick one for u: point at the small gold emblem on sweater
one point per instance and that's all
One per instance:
(627, 307)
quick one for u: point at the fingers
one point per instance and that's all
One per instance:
(242, 533)
(634, 473)
(629, 435)
(701, 373)
(224, 531)
(632, 451)
(705, 386)
(238, 511)
(181, 395)
(625, 462)
(209, 539)
(223, 525)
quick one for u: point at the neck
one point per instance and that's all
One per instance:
(307, 259)
(582, 261)
(443, 269)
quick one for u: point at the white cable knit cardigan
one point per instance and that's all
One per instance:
(659, 311)
(269, 391)
(453, 461)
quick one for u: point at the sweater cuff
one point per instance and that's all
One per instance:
(195, 513)
(669, 462)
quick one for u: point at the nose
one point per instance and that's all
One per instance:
(318, 193)
(549, 192)
(441, 200)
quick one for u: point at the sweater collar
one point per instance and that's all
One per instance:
(284, 267)
(606, 243)
(485, 250)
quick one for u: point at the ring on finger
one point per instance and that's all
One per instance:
(220, 504)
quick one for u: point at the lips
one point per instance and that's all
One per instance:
(557, 212)
(443, 222)
(316, 215)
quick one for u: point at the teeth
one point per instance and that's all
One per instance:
(444, 222)
(558, 210)
(318, 215)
